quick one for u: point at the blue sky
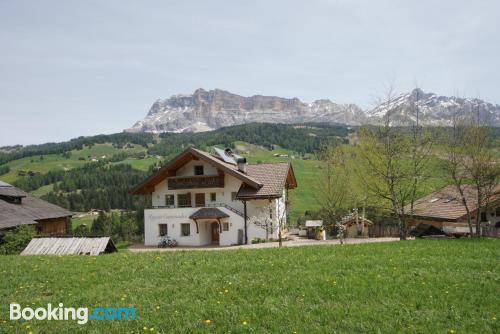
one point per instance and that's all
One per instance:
(72, 68)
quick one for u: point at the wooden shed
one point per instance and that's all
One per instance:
(70, 246)
(356, 226)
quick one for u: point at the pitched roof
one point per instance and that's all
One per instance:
(10, 191)
(446, 203)
(188, 154)
(69, 246)
(263, 180)
(274, 178)
(208, 213)
(29, 211)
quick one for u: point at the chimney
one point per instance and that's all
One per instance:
(242, 164)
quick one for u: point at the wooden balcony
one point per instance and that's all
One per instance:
(192, 182)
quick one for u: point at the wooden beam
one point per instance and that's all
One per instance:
(197, 229)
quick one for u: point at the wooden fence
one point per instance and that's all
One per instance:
(378, 230)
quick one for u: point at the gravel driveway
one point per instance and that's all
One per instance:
(292, 243)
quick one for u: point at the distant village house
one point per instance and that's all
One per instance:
(444, 210)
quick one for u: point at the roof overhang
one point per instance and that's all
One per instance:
(208, 213)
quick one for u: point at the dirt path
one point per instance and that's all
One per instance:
(292, 243)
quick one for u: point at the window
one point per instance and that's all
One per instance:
(184, 200)
(169, 200)
(185, 230)
(483, 216)
(225, 226)
(213, 197)
(233, 196)
(498, 212)
(163, 229)
(198, 170)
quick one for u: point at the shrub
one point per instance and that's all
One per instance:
(258, 240)
(13, 242)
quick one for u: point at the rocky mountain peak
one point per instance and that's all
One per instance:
(206, 110)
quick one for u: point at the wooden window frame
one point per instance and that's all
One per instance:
(160, 227)
(183, 234)
(198, 168)
(181, 204)
(172, 196)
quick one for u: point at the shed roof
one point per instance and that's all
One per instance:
(208, 213)
(314, 223)
(69, 246)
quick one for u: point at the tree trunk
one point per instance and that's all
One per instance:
(478, 215)
(464, 203)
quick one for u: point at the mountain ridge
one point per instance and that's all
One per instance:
(209, 110)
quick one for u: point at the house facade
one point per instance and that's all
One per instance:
(202, 199)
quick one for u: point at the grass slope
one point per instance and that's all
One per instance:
(415, 287)
(58, 162)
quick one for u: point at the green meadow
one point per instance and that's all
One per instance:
(423, 286)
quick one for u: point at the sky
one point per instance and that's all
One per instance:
(77, 68)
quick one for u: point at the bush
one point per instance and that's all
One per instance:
(258, 240)
(13, 242)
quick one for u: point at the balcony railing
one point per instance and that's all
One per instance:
(207, 205)
(191, 182)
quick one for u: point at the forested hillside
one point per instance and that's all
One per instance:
(98, 172)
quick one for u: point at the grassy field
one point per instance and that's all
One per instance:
(424, 286)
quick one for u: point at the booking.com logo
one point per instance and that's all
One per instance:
(81, 314)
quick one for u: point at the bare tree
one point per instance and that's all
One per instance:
(394, 161)
(454, 164)
(470, 157)
(265, 220)
(480, 162)
(421, 149)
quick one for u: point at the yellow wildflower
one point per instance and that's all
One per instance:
(244, 323)
(208, 321)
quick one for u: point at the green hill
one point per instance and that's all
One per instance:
(84, 173)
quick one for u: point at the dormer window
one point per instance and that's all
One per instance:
(198, 170)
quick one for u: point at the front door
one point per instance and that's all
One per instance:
(215, 233)
(199, 200)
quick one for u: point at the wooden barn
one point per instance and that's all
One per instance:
(20, 208)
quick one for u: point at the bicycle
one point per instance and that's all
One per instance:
(167, 241)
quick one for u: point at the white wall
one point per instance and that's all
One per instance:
(175, 217)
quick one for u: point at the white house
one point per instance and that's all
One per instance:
(200, 199)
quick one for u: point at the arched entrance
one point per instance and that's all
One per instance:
(215, 232)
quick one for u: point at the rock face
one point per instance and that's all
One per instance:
(433, 110)
(208, 110)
